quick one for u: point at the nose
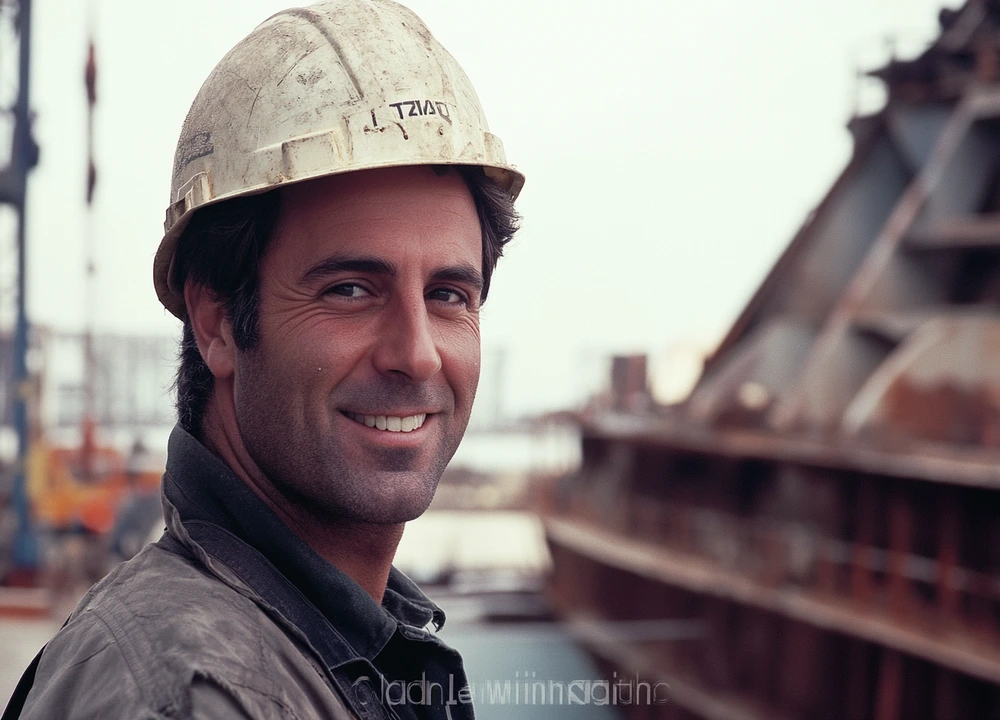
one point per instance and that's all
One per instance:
(406, 342)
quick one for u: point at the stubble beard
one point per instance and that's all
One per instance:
(311, 471)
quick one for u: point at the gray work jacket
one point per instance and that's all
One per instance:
(204, 625)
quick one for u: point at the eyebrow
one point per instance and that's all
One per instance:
(361, 264)
(465, 274)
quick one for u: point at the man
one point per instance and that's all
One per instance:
(338, 207)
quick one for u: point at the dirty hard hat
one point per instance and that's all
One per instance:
(333, 88)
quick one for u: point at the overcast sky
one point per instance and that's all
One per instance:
(671, 150)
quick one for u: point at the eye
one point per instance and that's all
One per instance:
(448, 295)
(351, 290)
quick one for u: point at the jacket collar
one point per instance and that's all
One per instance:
(199, 489)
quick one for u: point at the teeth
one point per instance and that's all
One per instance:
(390, 423)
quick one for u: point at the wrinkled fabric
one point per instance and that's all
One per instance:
(160, 627)
(231, 615)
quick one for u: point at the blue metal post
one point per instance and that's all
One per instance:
(24, 156)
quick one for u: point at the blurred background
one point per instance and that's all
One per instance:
(736, 448)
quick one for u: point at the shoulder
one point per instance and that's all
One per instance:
(77, 685)
(162, 604)
(160, 635)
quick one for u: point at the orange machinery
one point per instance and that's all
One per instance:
(82, 487)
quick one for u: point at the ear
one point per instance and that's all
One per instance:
(212, 329)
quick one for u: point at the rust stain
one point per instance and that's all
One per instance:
(944, 412)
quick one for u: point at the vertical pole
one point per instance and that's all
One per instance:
(900, 542)
(829, 540)
(861, 577)
(947, 699)
(890, 686)
(89, 424)
(856, 702)
(947, 560)
(23, 158)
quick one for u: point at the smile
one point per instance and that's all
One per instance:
(389, 423)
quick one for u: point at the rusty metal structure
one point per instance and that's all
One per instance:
(827, 501)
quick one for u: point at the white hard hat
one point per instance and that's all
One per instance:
(333, 88)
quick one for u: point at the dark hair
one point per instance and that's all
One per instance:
(222, 247)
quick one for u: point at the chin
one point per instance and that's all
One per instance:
(394, 514)
(384, 498)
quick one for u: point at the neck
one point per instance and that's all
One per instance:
(362, 551)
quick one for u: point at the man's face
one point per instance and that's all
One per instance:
(369, 313)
